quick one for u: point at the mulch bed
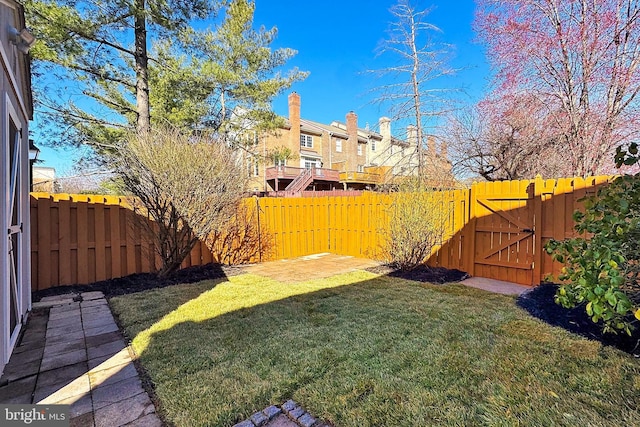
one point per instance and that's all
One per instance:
(436, 275)
(539, 301)
(144, 281)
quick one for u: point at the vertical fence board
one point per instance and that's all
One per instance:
(129, 238)
(538, 226)
(100, 240)
(146, 252)
(33, 206)
(44, 242)
(83, 239)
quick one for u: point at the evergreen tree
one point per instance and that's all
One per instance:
(91, 86)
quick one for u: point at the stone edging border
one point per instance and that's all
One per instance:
(289, 408)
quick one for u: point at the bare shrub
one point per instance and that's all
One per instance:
(188, 186)
(417, 220)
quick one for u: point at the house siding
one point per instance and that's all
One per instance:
(357, 158)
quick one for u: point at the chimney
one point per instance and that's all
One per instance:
(352, 127)
(294, 120)
(444, 150)
(385, 130)
(431, 146)
(412, 135)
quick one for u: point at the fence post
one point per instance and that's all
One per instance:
(63, 203)
(538, 189)
(82, 219)
(98, 204)
(469, 242)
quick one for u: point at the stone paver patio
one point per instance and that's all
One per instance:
(73, 353)
(317, 266)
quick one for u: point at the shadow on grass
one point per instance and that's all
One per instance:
(378, 351)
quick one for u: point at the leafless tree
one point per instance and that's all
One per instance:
(582, 58)
(188, 186)
(244, 239)
(412, 93)
(417, 221)
(505, 139)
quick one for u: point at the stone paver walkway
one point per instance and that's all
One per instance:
(496, 286)
(73, 353)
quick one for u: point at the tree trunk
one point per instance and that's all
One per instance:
(415, 85)
(141, 67)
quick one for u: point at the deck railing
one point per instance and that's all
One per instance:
(288, 172)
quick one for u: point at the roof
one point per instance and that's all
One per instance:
(362, 133)
(335, 131)
(339, 130)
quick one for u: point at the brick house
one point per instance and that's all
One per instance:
(16, 109)
(337, 156)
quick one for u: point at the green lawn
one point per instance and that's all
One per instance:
(363, 350)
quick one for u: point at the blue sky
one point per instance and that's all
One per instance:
(336, 42)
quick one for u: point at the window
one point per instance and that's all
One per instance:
(359, 149)
(253, 168)
(338, 146)
(280, 162)
(306, 141)
(309, 163)
(360, 168)
(373, 145)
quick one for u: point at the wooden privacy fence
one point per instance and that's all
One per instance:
(81, 239)
(495, 230)
(511, 221)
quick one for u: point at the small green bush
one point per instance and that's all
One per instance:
(602, 269)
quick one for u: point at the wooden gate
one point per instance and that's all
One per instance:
(503, 223)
